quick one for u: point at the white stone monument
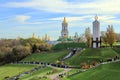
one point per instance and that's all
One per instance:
(96, 41)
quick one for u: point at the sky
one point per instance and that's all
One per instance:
(21, 18)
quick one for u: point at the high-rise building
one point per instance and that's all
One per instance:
(64, 32)
(96, 33)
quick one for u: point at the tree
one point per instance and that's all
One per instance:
(34, 48)
(104, 37)
(117, 37)
(88, 36)
(110, 35)
(81, 38)
(20, 51)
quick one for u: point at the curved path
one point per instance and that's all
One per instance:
(55, 76)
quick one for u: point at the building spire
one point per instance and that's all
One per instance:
(64, 21)
(96, 17)
(33, 35)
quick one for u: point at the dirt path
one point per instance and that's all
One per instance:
(54, 76)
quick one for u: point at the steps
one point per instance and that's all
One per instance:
(71, 53)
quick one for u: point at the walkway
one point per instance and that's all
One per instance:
(72, 53)
(55, 76)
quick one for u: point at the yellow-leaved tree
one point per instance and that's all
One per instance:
(110, 35)
(88, 37)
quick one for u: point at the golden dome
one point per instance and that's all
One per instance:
(64, 21)
(96, 17)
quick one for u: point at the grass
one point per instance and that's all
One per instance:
(90, 55)
(104, 72)
(40, 73)
(73, 71)
(12, 70)
(46, 57)
(64, 46)
(117, 50)
(114, 44)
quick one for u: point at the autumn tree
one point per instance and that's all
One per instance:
(88, 36)
(81, 38)
(110, 35)
(104, 37)
(12, 50)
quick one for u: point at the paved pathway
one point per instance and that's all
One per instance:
(72, 53)
(55, 76)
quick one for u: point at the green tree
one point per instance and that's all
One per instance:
(34, 48)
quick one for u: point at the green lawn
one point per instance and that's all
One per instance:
(90, 55)
(12, 69)
(117, 50)
(40, 73)
(114, 44)
(46, 57)
(73, 71)
(104, 72)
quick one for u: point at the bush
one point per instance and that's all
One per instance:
(84, 66)
(21, 50)
(11, 50)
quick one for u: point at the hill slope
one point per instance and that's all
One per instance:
(104, 72)
(46, 57)
(89, 55)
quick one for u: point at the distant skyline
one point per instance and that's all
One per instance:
(24, 17)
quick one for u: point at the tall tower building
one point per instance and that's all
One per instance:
(96, 33)
(33, 35)
(64, 32)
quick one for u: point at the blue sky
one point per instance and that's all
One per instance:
(23, 17)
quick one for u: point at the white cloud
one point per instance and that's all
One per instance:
(22, 18)
(108, 19)
(73, 19)
(87, 20)
(93, 7)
